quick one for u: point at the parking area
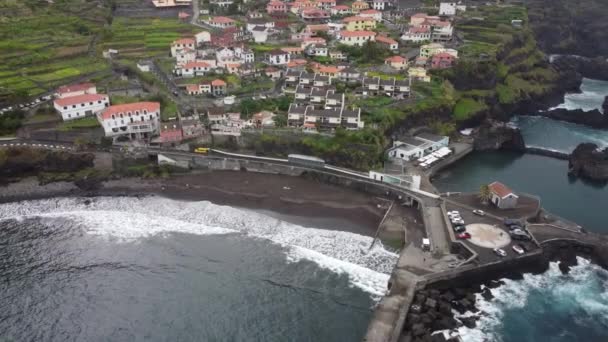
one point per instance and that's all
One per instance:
(486, 233)
(35, 145)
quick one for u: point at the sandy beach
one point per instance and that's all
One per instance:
(292, 199)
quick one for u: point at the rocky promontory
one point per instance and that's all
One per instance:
(596, 68)
(593, 118)
(497, 135)
(590, 162)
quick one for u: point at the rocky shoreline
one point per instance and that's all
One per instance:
(590, 162)
(449, 305)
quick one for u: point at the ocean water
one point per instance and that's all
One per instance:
(591, 96)
(563, 136)
(155, 269)
(546, 307)
(550, 306)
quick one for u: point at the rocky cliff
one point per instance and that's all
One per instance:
(590, 162)
(593, 118)
(494, 136)
(19, 162)
(596, 68)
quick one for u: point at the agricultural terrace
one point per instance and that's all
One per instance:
(137, 38)
(45, 45)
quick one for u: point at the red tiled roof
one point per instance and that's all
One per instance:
(221, 20)
(370, 11)
(130, 107)
(196, 64)
(357, 33)
(78, 99)
(192, 87)
(419, 30)
(443, 55)
(184, 41)
(356, 18)
(218, 82)
(75, 87)
(500, 189)
(340, 8)
(385, 39)
(183, 15)
(395, 59)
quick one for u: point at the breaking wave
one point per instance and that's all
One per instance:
(129, 219)
(591, 96)
(551, 305)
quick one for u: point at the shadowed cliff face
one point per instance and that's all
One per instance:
(18, 162)
(570, 27)
(588, 161)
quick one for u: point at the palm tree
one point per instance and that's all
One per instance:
(485, 195)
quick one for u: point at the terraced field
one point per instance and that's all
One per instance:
(137, 38)
(45, 45)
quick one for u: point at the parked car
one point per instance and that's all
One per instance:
(479, 212)
(459, 228)
(500, 252)
(518, 249)
(519, 234)
(512, 222)
(464, 236)
(516, 227)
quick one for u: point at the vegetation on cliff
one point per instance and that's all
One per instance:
(590, 162)
(570, 27)
(20, 162)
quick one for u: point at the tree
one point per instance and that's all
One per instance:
(485, 194)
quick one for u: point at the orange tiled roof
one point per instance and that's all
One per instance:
(130, 107)
(75, 87)
(78, 99)
(357, 33)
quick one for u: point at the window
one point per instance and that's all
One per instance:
(82, 105)
(113, 117)
(65, 108)
(121, 116)
(73, 106)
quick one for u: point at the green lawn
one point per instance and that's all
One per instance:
(83, 123)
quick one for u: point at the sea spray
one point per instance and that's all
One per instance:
(129, 219)
(551, 305)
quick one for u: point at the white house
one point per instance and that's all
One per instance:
(183, 43)
(356, 38)
(502, 196)
(76, 89)
(260, 34)
(317, 51)
(244, 54)
(135, 120)
(184, 56)
(447, 8)
(277, 57)
(380, 5)
(79, 106)
(371, 13)
(202, 37)
(195, 68)
(417, 34)
(411, 148)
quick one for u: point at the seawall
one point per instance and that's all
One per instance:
(548, 153)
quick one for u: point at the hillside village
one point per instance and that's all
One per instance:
(307, 66)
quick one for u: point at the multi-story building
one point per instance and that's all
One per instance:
(356, 23)
(356, 38)
(374, 86)
(276, 7)
(277, 57)
(417, 34)
(79, 106)
(390, 43)
(195, 68)
(220, 22)
(139, 120)
(184, 43)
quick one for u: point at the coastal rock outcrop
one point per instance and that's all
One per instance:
(590, 162)
(596, 68)
(495, 136)
(593, 118)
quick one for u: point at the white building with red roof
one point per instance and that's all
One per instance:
(220, 22)
(502, 196)
(356, 38)
(76, 89)
(371, 13)
(390, 43)
(340, 10)
(138, 120)
(276, 7)
(183, 43)
(194, 68)
(79, 106)
(417, 34)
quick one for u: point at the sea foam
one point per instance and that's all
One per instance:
(129, 219)
(573, 291)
